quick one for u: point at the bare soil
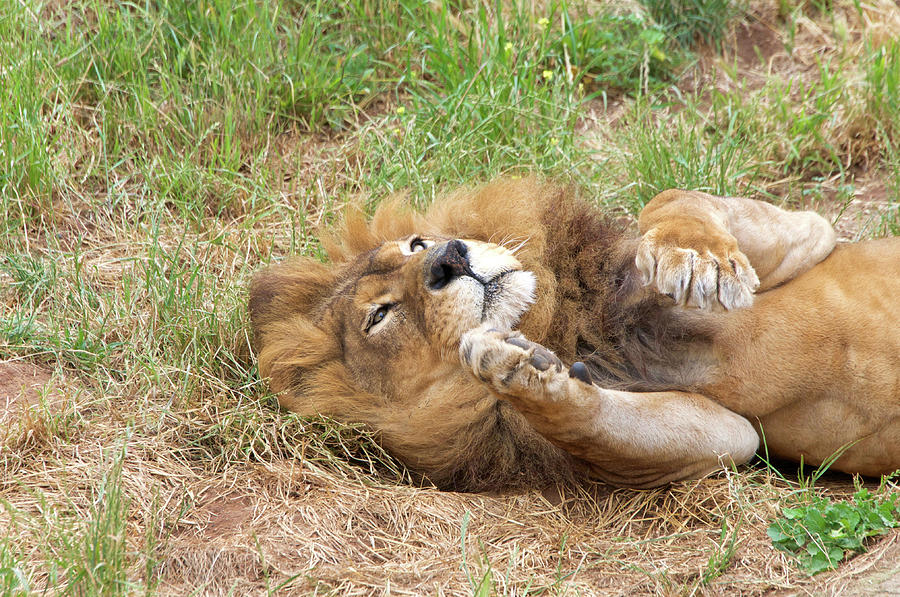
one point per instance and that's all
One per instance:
(22, 387)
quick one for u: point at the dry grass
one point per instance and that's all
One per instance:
(157, 462)
(319, 524)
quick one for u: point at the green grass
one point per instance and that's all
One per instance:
(688, 21)
(717, 155)
(819, 533)
(882, 80)
(13, 579)
(83, 555)
(154, 154)
(183, 95)
(498, 100)
(95, 560)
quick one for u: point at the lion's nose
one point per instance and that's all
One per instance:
(452, 262)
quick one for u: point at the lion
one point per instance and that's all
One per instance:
(512, 336)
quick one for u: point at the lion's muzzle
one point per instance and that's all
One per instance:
(486, 282)
(451, 261)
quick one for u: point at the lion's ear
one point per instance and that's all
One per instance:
(357, 233)
(294, 287)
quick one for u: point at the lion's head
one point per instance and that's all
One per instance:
(408, 301)
(372, 336)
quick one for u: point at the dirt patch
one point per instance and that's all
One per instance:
(865, 213)
(22, 386)
(864, 216)
(878, 574)
(214, 540)
(224, 511)
(755, 43)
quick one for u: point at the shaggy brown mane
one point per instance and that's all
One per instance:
(580, 260)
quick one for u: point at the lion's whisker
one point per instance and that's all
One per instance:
(507, 242)
(518, 247)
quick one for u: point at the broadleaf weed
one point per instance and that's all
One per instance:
(820, 533)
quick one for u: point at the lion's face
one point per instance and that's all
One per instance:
(373, 337)
(404, 306)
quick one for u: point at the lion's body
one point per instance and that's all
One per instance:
(813, 360)
(817, 360)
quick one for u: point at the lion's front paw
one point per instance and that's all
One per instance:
(516, 367)
(705, 272)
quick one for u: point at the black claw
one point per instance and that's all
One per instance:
(580, 372)
(541, 361)
(520, 342)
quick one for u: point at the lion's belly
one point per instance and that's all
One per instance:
(817, 361)
(815, 433)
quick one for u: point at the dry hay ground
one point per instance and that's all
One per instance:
(301, 523)
(121, 484)
(328, 527)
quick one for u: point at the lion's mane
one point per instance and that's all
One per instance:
(584, 268)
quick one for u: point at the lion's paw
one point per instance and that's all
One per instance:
(707, 275)
(514, 366)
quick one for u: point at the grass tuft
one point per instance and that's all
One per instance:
(678, 151)
(14, 581)
(690, 21)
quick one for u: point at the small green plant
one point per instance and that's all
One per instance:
(692, 20)
(820, 533)
(13, 577)
(481, 584)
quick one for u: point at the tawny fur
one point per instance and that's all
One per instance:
(601, 299)
(577, 258)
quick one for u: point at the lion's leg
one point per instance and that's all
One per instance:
(707, 251)
(627, 438)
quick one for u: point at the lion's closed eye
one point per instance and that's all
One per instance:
(377, 317)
